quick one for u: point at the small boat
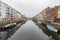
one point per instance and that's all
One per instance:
(52, 28)
(9, 26)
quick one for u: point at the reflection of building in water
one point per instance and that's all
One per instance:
(4, 35)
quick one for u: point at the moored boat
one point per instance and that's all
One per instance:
(9, 26)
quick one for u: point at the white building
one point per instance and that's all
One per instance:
(3, 9)
(6, 11)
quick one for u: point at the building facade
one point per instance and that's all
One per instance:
(58, 12)
(49, 14)
(8, 13)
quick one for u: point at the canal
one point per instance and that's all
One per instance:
(29, 31)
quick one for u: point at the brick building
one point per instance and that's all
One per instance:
(52, 14)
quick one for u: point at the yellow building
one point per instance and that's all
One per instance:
(40, 15)
(58, 11)
(18, 15)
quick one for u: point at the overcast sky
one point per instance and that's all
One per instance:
(30, 8)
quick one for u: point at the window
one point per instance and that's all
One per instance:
(0, 5)
(59, 12)
(7, 8)
(0, 13)
(0, 8)
(7, 13)
(0, 2)
(59, 16)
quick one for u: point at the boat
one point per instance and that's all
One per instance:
(52, 28)
(9, 26)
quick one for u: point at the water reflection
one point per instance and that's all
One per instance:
(4, 35)
(29, 31)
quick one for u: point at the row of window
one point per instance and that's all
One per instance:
(7, 9)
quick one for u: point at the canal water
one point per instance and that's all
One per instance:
(29, 31)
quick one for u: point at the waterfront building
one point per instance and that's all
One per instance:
(8, 13)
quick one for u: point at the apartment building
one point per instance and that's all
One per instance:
(7, 12)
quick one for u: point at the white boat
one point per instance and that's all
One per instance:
(52, 28)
